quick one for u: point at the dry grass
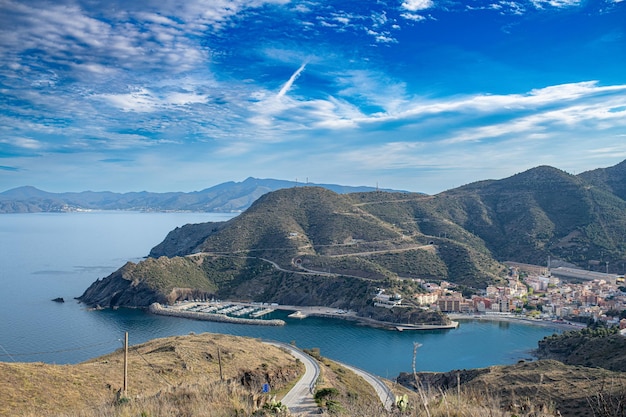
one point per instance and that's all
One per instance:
(542, 388)
(160, 372)
(180, 376)
(355, 397)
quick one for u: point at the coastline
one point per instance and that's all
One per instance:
(563, 325)
(302, 312)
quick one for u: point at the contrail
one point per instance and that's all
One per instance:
(291, 80)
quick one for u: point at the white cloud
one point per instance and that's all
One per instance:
(413, 16)
(556, 3)
(416, 5)
(24, 143)
(143, 100)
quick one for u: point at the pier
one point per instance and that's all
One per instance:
(452, 325)
(297, 315)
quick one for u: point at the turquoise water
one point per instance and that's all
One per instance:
(43, 256)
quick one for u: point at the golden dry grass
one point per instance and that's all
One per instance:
(180, 377)
(156, 368)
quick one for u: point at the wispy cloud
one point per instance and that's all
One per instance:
(227, 86)
(143, 100)
(24, 143)
(540, 4)
(287, 86)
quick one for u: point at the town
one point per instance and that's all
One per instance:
(554, 295)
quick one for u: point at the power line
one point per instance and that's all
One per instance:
(8, 354)
(152, 367)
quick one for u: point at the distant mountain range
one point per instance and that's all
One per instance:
(226, 197)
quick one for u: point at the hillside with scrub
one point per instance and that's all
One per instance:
(213, 375)
(311, 246)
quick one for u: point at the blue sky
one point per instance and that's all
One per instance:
(419, 95)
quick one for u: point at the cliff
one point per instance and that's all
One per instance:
(163, 280)
(117, 290)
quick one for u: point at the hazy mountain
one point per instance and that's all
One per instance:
(226, 197)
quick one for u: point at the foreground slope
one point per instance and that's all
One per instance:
(542, 388)
(173, 368)
(220, 375)
(206, 375)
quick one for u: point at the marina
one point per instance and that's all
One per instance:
(231, 309)
(251, 313)
(230, 313)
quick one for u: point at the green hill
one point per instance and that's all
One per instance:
(610, 179)
(539, 213)
(598, 348)
(310, 245)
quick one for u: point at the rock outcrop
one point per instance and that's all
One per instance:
(118, 290)
(184, 240)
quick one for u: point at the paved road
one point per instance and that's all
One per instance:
(384, 392)
(300, 399)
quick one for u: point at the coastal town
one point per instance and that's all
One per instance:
(533, 294)
(554, 295)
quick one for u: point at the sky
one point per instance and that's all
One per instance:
(416, 95)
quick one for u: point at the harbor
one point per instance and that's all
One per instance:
(219, 312)
(253, 313)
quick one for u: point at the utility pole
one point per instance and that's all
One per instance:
(125, 364)
(219, 360)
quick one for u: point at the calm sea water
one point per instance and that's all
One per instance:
(44, 256)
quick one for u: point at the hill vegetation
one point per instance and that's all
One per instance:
(212, 375)
(541, 388)
(309, 245)
(599, 347)
(207, 374)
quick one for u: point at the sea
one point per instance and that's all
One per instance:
(48, 255)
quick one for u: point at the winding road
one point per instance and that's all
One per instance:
(300, 400)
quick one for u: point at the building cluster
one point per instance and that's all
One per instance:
(535, 293)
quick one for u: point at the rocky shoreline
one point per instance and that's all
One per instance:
(156, 308)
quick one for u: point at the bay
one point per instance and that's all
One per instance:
(45, 255)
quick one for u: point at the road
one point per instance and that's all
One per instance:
(300, 399)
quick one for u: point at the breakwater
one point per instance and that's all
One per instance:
(157, 308)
